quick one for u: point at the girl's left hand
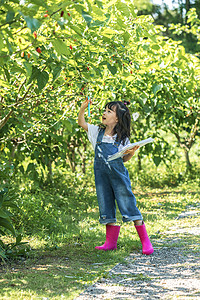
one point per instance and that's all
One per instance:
(132, 151)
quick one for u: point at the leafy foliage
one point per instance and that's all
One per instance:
(54, 54)
(53, 58)
(6, 225)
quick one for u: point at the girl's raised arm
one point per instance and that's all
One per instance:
(81, 117)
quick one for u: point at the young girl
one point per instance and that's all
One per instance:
(111, 178)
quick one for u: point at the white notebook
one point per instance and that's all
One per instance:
(129, 146)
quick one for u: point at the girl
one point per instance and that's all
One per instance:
(112, 178)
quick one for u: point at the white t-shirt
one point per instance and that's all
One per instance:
(93, 132)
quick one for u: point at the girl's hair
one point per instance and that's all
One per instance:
(122, 128)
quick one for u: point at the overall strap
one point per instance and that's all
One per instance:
(100, 136)
(116, 144)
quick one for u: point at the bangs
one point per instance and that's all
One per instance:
(111, 105)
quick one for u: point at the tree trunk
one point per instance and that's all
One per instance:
(139, 162)
(181, 11)
(187, 5)
(84, 157)
(50, 173)
(187, 158)
(71, 160)
(186, 145)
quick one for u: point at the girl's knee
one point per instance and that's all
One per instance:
(138, 222)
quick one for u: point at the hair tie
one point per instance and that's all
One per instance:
(126, 103)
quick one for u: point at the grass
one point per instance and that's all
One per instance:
(62, 229)
(60, 268)
(55, 274)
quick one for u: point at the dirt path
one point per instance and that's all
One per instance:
(172, 272)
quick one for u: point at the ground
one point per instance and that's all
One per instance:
(171, 272)
(76, 271)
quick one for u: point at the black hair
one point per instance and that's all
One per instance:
(122, 128)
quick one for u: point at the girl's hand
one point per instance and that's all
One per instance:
(129, 153)
(81, 118)
(132, 151)
(84, 105)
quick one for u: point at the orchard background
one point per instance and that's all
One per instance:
(53, 54)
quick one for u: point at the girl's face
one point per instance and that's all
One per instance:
(109, 117)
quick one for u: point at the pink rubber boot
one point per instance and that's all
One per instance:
(112, 233)
(146, 244)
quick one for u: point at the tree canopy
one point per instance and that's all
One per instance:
(54, 54)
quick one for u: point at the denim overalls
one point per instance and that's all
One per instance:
(113, 183)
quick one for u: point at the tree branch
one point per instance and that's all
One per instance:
(5, 119)
(20, 89)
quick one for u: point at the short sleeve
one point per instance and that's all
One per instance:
(92, 133)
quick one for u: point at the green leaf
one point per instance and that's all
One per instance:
(28, 68)
(10, 15)
(132, 9)
(62, 24)
(1, 41)
(9, 46)
(110, 3)
(17, 69)
(126, 37)
(106, 39)
(32, 23)
(39, 3)
(87, 18)
(157, 160)
(42, 80)
(68, 125)
(21, 169)
(103, 63)
(155, 47)
(76, 29)
(147, 109)
(30, 167)
(79, 8)
(7, 74)
(108, 31)
(57, 125)
(103, 103)
(2, 233)
(3, 214)
(156, 87)
(99, 4)
(123, 8)
(56, 72)
(98, 23)
(112, 69)
(34, 74)
(60, 47)
(98, 12)
(2, 254)
(18, 239)
(7, 224)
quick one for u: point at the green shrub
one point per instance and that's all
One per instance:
(56, 207)
(16, 248)
(171, 175)
(8, 208)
